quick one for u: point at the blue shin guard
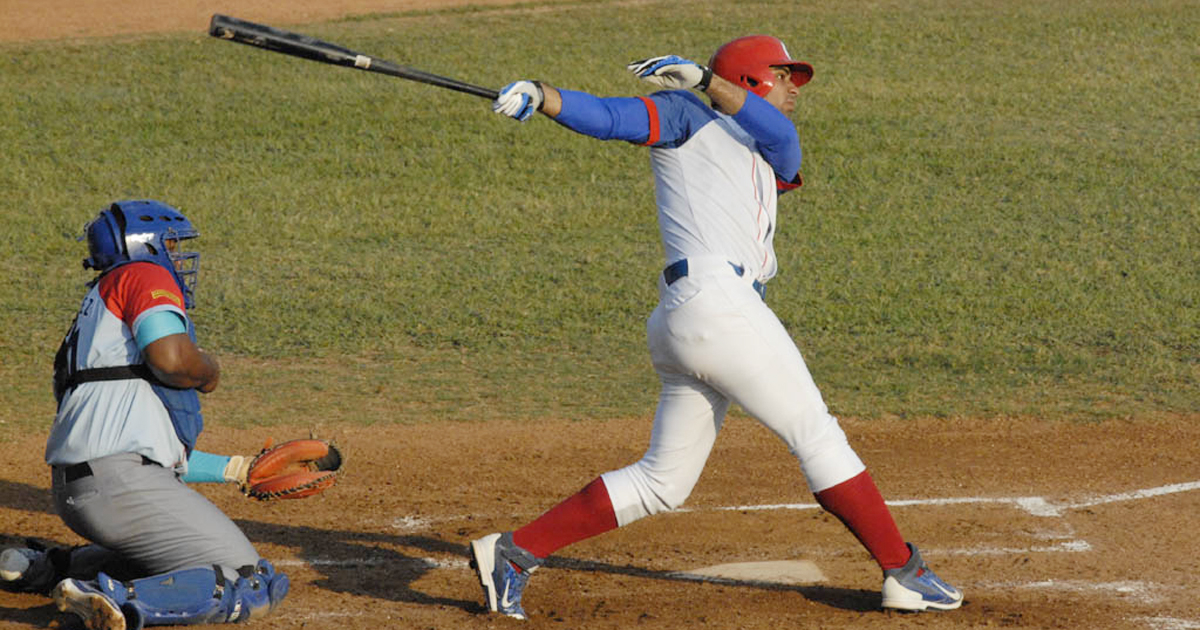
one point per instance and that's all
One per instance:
(198, 595)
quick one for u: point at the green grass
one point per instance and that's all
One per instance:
(1000, 214)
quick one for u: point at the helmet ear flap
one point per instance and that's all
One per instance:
(106, 239)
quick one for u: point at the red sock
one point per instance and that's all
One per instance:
(858, 504)
(587, 513)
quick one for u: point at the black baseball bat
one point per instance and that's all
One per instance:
(297, 45)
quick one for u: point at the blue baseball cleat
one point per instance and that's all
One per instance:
(915, 586)
(503, 569)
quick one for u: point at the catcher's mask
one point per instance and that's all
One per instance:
(144, 230)
(747, 61)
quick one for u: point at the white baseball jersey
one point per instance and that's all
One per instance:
(715, 192)
(716, 183)
(713, 340)
(101, 418)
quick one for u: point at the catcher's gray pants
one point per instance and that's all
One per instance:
(148, 517)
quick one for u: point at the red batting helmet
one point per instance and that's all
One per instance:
(747, 61)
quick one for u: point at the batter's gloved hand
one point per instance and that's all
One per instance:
(519, 100)
(672, 72)
(292, 470)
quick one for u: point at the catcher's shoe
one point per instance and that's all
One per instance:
(503, 569)
(97, 610)
(915, 586)
(26, 570)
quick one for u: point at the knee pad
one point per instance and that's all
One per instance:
(258, 590)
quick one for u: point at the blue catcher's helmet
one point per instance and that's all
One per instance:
(140, 230)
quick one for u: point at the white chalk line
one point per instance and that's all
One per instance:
(1069, 546)
(328, 614)
(367, 561)
(1036, 506)
(1142, 592)
(1170, 623)
(1147, 592)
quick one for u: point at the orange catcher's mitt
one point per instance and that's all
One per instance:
(293, 470)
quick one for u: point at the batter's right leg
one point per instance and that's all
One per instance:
(686, 423)
(685, 427)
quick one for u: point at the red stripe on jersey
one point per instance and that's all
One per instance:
(131, 289)
(652, 110)
(783, 186)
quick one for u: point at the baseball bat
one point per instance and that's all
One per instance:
(297, 45)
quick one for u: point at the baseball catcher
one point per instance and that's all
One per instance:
(295, 469)
(127, 381)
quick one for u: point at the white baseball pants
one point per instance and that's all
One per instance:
(714, 341)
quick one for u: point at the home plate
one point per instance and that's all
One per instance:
(771, 572)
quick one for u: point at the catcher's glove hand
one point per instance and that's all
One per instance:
(292, 470)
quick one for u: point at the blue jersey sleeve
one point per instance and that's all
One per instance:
(669, 118)
(775, 134)
(609, 118)
(663, 119)
(677, 115)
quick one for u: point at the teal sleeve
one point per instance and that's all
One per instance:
(159, 325)
(206, 468)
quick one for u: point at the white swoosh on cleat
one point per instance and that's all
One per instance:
(504, 603)
(949, 593)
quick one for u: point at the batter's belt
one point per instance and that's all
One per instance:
(679, 269)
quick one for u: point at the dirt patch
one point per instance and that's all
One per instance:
(1044, 525)
(29, 20)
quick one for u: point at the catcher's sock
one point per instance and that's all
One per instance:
(587, 513)
(858, 504)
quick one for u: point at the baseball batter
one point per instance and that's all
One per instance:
(126, 380)
(713, 340)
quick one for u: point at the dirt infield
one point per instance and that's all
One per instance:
(27, 20)
(1042, 524)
